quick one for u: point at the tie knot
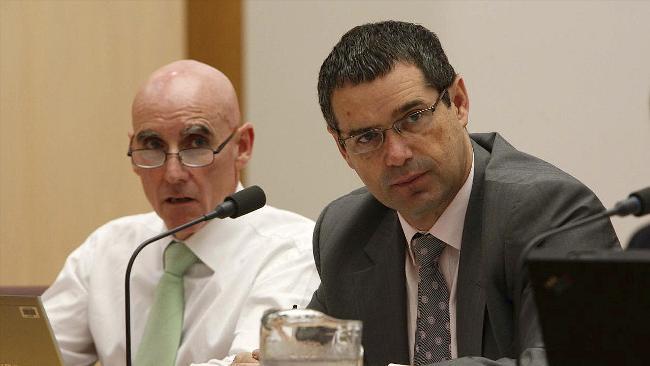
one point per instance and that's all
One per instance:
(178, 258)
(427, 249)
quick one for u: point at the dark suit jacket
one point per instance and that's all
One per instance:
(640, 239)
(360, 249)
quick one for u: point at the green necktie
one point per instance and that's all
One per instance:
(162, 333)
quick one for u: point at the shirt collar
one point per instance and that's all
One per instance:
(217, 239)
(449, 226)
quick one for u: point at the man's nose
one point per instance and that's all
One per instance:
(396, 149)
(175, 171)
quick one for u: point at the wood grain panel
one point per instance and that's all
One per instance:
(68, 72)
(214, 37)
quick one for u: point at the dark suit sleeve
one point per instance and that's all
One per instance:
(641, 239)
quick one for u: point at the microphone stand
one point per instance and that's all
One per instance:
(127, 277)
(539, 238)
(238, 204)
(635, 204)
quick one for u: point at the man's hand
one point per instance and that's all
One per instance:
(247, 359)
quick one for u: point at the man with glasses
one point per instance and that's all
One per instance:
(200, 294)
(426, 253)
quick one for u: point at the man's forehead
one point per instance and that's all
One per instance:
(179, 113)
(192, 91)
(359, 109)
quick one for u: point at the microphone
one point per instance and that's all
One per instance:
(237, 204)
(240, 203)
(637, 204)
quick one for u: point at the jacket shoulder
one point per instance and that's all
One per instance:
(357, 205)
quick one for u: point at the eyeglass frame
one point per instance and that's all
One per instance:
(394, 126)
(129, 153)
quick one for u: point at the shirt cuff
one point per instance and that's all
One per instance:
(223, 362)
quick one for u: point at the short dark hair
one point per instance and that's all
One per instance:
(369, 51)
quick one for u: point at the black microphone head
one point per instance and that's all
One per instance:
(643, 195)
(247, 200)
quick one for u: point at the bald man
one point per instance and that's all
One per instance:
(188, 146)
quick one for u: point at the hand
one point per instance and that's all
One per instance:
(247, 359)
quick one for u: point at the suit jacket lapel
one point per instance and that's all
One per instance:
(382, 294)
(470, 298)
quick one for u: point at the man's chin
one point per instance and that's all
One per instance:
(404, 198)
(416, 203)
(178, 220)
(184, 234)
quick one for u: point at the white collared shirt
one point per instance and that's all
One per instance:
(247, 265)
(448, 228)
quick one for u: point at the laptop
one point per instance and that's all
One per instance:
(26, 338)
(593, 305)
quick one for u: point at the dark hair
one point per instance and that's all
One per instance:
(369, 51)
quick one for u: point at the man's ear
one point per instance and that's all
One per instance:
(342, 151)
(244, 145)
(133, 167)
(460, 100)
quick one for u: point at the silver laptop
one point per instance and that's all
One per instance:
(26, 338)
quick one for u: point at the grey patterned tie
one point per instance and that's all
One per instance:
(432, 335)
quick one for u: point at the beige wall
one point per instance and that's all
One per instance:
(568, 81)
(68, 71)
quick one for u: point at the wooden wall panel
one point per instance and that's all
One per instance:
(214, 37)
(68, 72)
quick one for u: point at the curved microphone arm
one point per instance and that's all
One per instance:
(127, 278)
(238, 204)
(637, 203)
(537, 240)
(534, 243)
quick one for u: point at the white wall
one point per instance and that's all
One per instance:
(566, 81)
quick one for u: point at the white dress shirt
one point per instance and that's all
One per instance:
(247, 265)
(448, 228)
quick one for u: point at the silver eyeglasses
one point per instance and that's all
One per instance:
(194, 157)
(372, 139)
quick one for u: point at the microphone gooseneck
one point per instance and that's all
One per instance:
(238, 204)
(637, 203)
